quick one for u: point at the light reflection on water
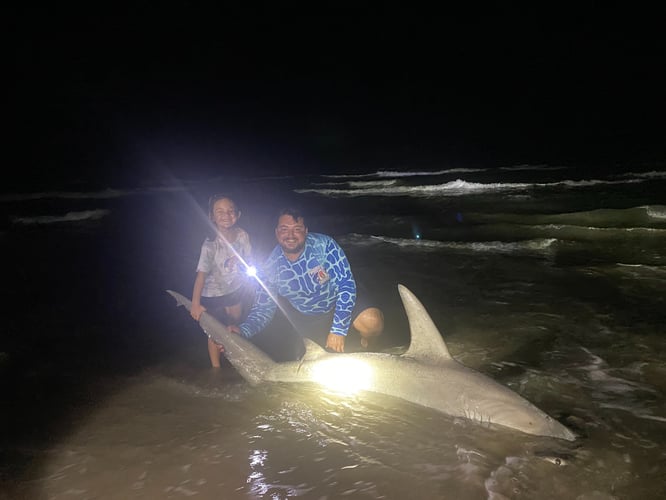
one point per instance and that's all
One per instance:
(178, 435)
(282, 441)
(575, 326)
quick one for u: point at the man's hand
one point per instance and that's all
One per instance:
(234, 329)
(336, 342)
(196, 311)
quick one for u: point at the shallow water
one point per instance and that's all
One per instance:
(556, 291)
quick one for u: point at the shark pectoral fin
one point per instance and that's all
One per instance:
(312, 350)
(426, 342)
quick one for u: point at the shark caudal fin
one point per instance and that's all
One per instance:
(250, 361)
(426, 343)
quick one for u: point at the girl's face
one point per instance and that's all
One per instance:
(225, 214)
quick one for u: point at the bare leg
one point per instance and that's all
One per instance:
(215, 350)
(370, 324)
(214, 353)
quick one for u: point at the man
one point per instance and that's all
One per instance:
(309, 276)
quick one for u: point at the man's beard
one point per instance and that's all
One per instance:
(293, 251)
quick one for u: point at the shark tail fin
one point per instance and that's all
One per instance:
(251, 362)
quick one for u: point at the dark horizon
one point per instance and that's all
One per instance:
(115, 97)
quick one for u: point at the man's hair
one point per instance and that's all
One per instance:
(295, 213)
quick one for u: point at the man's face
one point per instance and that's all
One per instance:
(291, 235)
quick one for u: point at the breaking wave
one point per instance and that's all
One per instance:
(68, 217)
(503, 247)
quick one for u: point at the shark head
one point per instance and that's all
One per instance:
(482, 399)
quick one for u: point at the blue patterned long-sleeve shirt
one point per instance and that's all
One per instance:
(319, 281)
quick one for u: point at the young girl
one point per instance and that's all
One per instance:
(221, 286)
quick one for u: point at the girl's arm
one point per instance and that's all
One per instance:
(197, 308)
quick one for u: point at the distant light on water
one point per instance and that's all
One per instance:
(342, 374)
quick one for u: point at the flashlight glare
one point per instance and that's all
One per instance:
(251, 271)
(343, 375)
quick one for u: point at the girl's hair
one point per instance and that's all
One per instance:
(217, 197)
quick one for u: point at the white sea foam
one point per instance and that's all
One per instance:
(654, 269)
(534, 245)
(358, 184)
(532, 167)
(605, 383)
(590, 182)
(395, 173)
(654, 174)
(68, 217)
(458, 187)
(656, 211)
(609, 230)
(633, 411)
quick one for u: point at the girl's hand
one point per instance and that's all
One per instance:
(196, 311)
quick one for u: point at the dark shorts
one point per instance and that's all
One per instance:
(318, 326)
(216, 305)
(283, 338)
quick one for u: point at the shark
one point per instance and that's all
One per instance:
(425, 374)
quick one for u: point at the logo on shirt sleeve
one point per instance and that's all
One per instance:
(319, 274)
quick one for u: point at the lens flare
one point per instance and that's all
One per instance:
(343, 375)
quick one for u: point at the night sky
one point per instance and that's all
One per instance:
(102, 94)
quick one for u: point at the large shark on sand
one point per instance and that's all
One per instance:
(426, 374)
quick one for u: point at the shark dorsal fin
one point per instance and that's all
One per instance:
(426, 342)
(312, 350)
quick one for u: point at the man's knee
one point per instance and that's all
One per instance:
(370, 322)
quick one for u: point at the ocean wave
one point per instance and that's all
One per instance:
(642, 271)
(459, 170)
(68, 217)
(102, 194)
(655, 211)
(396, 173)
(458, 187)
(642, 216)
(532, 167)
(359, 184)
(66, 195)
(590, 182)
(654, 174)
(534, 245)
(604, 381)
(608, 230)
(566, 232)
